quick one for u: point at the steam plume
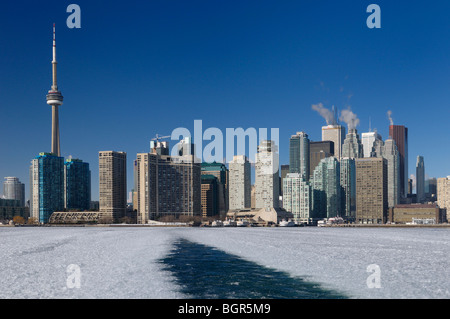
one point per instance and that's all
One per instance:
(327, 114)
(350, 118)
(389, 113)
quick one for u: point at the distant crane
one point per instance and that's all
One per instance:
(155, 141)
(157, 138)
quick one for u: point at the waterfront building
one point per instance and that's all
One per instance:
(209, 195)
(167, 185)
(267, 175)
(326, 189)
(112, 185)
(239, 190)
(222, 173)
(10, 208)
(297, 198)
(46, 186)
(443, 192)
(416, 214)
(77, 177)
(348, 188)
(371, 190)
(14, 189)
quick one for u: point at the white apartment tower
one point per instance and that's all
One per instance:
(297, 197)
(239, 183)
(267, 175)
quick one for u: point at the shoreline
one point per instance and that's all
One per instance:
(389, 225)
(181, 225)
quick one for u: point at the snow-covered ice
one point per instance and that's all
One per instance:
(123, 262)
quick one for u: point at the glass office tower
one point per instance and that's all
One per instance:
(326, 189)
(77, 185)
(299, 154)
(47, 186)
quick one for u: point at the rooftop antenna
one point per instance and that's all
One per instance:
(370, 125)
(335, 118)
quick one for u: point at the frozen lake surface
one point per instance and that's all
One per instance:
(132, 262)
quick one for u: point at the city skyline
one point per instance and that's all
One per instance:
(105, 110)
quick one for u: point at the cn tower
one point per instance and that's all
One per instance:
(55, 99)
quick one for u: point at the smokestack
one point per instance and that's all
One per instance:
(389, 113)
(350, 118)
(328, 115)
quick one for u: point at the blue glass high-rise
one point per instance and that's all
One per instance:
(47, 186)
(77, 185)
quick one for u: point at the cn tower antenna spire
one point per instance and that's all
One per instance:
(55, 99)
(54, 63)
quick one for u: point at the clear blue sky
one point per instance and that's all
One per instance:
(138, 68)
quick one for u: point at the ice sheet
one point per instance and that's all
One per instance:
(118, 262)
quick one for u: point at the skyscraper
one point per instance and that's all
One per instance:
(377, 148)
(299, 154)
(284, 172)
(431, 188)
(326, 189)
(267, 175)
(352, 147)
(14, 189)
(371, 190)
(420, 179)
(55, 99)
(399, 134)
(167, 185)
(209, 195)
(239, 189)
(390, 153)
(443, 193)
(77, 182)
(317, 152)
(336, 134)
(348, 187)
(368, 139)
(221, 172)
(297, 197)
(186, 147)
(113, 185)
(46, 186)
